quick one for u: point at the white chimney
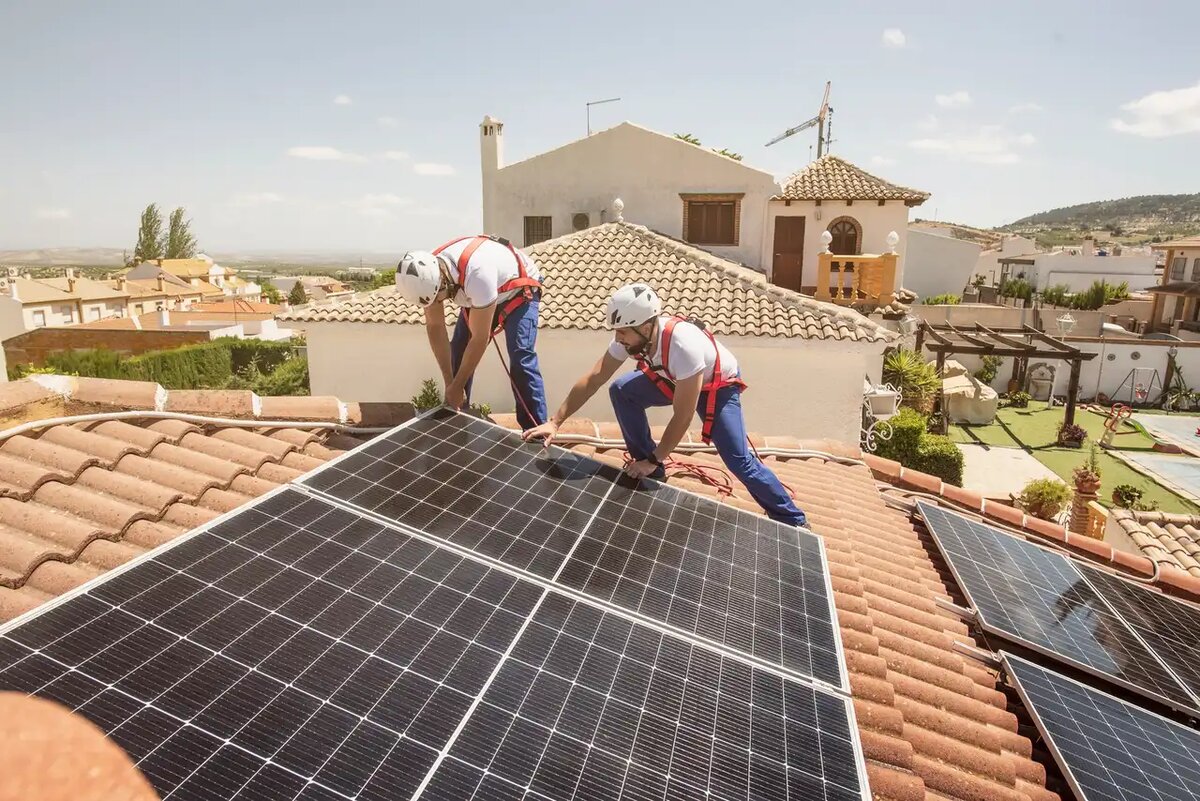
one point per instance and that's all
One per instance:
(491, 161)
(1088, 248)
(164, 318)
(12, 290)
(71, 280)
(162, 282)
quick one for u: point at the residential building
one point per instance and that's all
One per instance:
(316, 287)
(201, 272)
(361, 273)
(1079, 271)
(96, 300)
(937, 263)
(933, 721)
(175, 291)
(1177, 297)
(789, 346)
(691, 193)
(988, 265)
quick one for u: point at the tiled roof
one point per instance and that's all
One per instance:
(1186, 242)
(148, 288)
(582, 270)
(85, 288)
(833, 178)
(30, 290)
(1168, 539)
(77, 499)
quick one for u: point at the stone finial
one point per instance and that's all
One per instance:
(618, 206)
(826, 239)
(893, 239)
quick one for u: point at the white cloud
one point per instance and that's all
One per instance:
(431, 168)
(959, 99)
(322, 153)
(249, 200)
(882, 161)
(389, 122)
(1026, 108)
(930, 123)
(988, 144)
(342, 100)
(1165, 113)
(894, 37)
(53, 214)
(378, 206)
(396, 155)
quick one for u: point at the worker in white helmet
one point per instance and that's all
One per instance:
(679, 363)
(498, 289)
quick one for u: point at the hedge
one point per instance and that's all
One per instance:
(914, 447)
(269, 368)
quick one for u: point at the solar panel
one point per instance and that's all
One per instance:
(1036, 597)
(473, 484)
(590, 705)
(738, 579)
(292, 650)
(1169, 627)
(1107, 748)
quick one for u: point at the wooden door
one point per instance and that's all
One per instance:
(787, 266)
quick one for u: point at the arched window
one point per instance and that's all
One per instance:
(847, 236)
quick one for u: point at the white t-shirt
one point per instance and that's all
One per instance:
(691, 352)
(491, 266)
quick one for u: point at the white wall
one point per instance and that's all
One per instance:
(99, 310)
(937, 264)
(1080, 272)
(646, 170)
(800, 388)
(876, 221)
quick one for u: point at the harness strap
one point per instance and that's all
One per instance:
(523, 281)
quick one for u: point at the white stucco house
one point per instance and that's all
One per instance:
(937, 263)
(691, 193)
(1078, 271)
(804, 361)
(988, 264)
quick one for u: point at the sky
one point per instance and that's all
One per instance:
(305, 126)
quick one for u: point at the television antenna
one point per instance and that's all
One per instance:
(591, 103)
(823, 122)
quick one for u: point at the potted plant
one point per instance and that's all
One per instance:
(1087, 475)
(916, 379)
(1071, 436)
(1019, 399)
(1126, 496)
(1045, 498)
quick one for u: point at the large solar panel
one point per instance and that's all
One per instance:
(475, 485)
(1109, 750)
(1036, 597)
(295, 650)
(1169, 627)
(709, 569)
(593, 706)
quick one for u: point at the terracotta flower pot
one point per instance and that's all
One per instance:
(1087, 486)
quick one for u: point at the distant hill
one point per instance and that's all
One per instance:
(1145, 217)
(981, 236)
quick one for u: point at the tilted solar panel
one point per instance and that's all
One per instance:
(1108, 749)
(1036, 597)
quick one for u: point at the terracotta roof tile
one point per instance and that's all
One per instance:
(143, 438)
(19, 478)
(276, 445)
(1164, 538)
(116, 392)
(225, 450)
(182, 456)
(302, 462)
(110, 450)
(172, 430)
(211, 402)
(219, 500)
(301, 408)
(48, 455)
(17, 394)
(154, 497)
(583, 269)
(155, 471)
(834, 178)
(280, 474)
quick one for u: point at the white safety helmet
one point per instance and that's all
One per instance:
(632, 305)
(419, 277)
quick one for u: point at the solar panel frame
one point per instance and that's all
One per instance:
(1079, 782)
(1115, 624)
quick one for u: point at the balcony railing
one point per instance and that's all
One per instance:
(847, 280)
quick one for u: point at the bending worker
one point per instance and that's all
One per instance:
(679, 363)
(498, 289)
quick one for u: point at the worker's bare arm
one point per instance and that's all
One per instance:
(584, 388)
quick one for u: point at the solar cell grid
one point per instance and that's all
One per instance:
(348, 672)
(735, 578)
(1108, 749)
(1038, 598)
(474, 485)
(592, 706)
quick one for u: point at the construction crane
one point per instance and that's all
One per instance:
(823, 121)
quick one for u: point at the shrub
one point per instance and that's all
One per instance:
(1126, 496)
(991, 366)
(917, 380)
(1112, 294)
(289, 378)
(1072, 436)
(947, 299)
(1091, 298)
(430, 396)
(1057, 295)
(1019, 400)
(1088, 473)
(1045, 497)
(1016, 288)
(913, 446)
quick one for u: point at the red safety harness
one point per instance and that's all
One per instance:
(523, 281)
(666, 384)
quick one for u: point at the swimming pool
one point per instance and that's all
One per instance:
(1177, 428)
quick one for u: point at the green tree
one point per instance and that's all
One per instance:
(298, 297)
(687, 137)
(181, 244)
(150, 236)
(271, 293)
(728, 154)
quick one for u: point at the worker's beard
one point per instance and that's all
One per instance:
(639, 350)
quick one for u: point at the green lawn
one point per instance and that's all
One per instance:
(1035, 429)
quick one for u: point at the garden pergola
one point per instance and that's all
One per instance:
(1021, 344)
